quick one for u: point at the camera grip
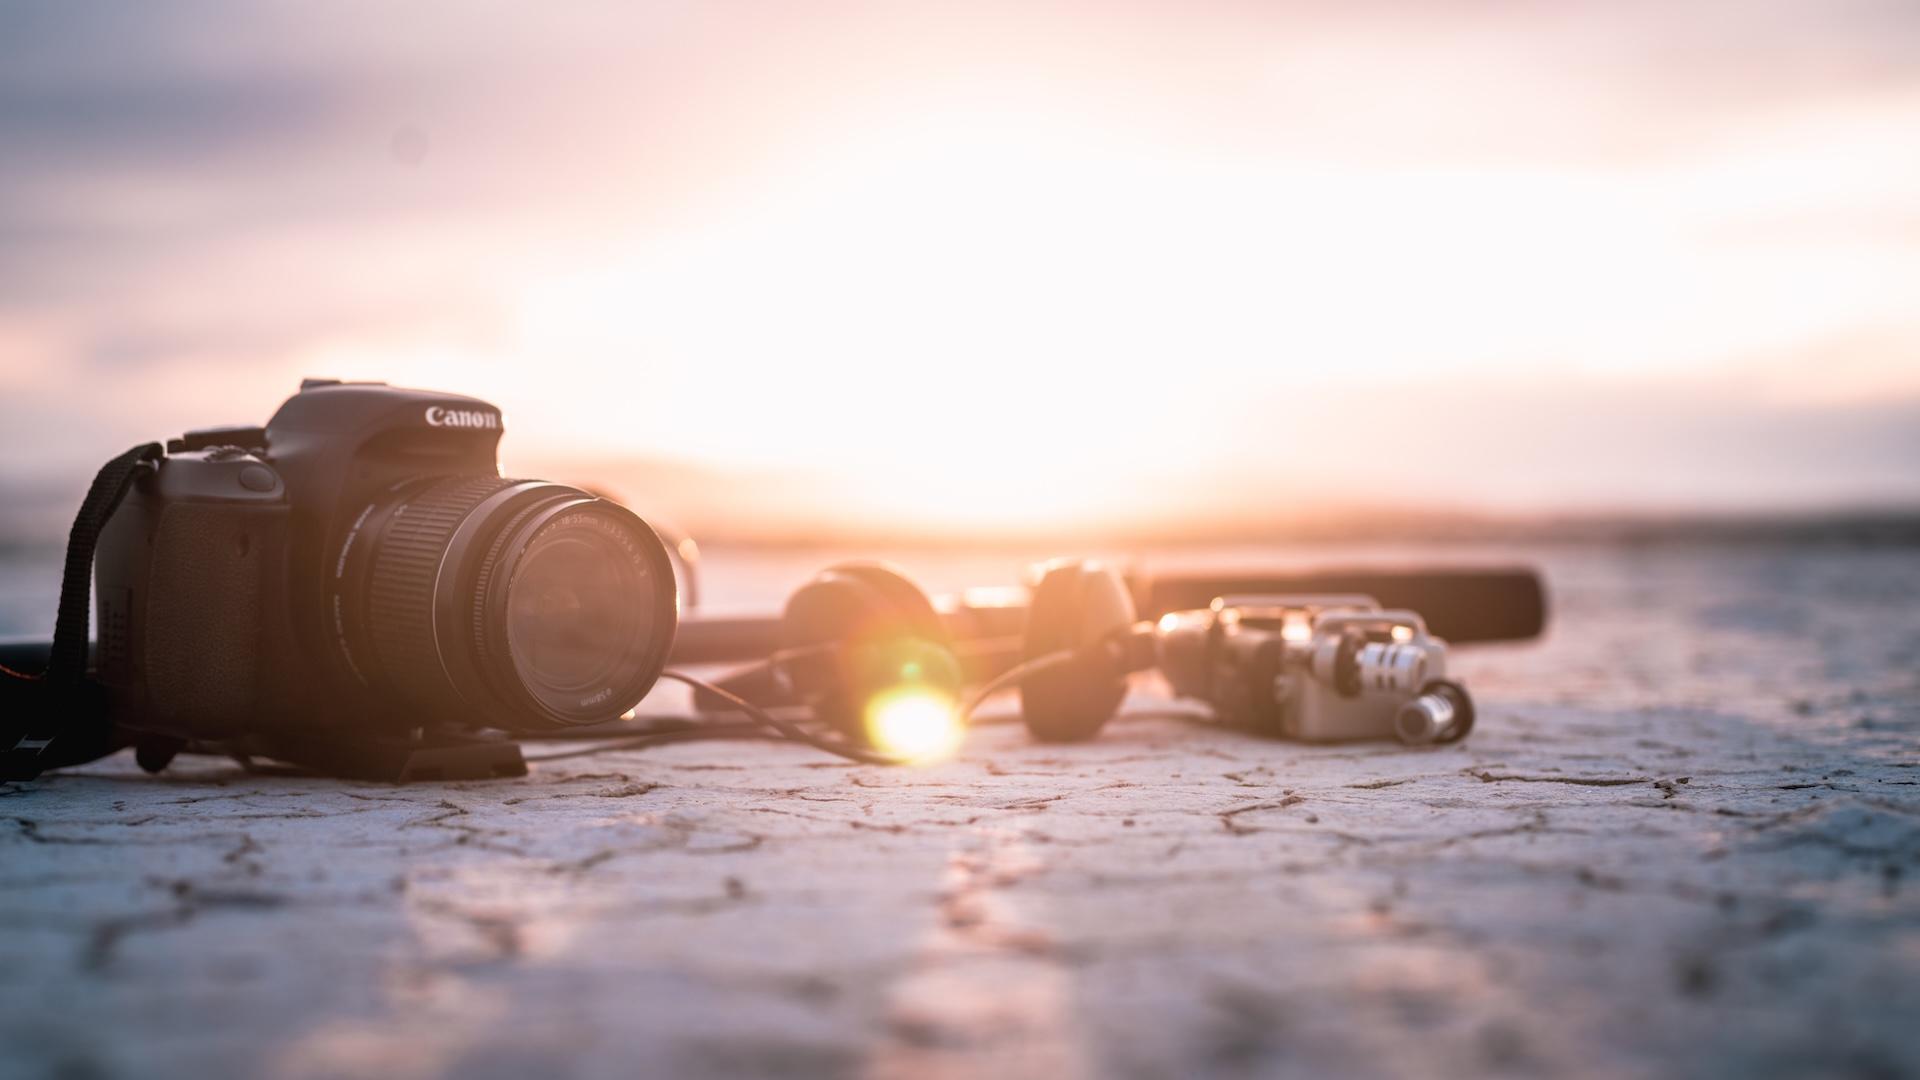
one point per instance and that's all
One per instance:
(209, 594)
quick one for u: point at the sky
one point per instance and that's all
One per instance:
(993, 265)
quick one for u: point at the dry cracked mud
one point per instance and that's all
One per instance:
(1685, 840)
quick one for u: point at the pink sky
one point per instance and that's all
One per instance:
(997, 263)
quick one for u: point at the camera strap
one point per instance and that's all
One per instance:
(59, 717)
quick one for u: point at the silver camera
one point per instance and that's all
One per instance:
(1319, 668)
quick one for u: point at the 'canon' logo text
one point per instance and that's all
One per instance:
(462, 418)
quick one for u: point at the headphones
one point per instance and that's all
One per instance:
(860, 635)
(1081, 612)
(854, 634)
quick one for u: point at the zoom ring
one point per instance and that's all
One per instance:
(406, 566)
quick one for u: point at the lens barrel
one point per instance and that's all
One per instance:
(516, 604)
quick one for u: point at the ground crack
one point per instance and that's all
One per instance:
(1487, 777)
(1237, 829)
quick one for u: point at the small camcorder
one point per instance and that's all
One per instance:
(359, 569)
(1318, 668)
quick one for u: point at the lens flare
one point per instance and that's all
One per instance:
(914, 722)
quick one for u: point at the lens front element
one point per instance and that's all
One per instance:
(580, 612)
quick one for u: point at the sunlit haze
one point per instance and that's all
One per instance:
(994, 266)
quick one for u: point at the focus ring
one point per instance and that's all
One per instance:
(482, 588)
(406, 564)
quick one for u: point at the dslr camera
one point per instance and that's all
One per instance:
(1319, 668)
(357, 573)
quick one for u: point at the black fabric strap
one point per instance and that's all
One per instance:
(59, 718)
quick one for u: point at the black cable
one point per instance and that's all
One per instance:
(775, 660)
(639, 725)
(787, 728)
(749, 731)
(1122, 649)
(1014, 675)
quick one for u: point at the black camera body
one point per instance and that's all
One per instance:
(358, 565)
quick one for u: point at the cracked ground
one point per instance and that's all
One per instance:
(1683, 841)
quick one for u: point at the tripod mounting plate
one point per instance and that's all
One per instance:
(436, 757)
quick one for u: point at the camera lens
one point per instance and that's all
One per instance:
(579, 611)
(521, 605)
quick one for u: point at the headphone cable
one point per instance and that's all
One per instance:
(1015, 675)
(787, 729)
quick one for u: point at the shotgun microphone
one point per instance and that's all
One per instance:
(1463, 604)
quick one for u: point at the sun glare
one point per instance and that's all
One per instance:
(978, 318)
(914, 723)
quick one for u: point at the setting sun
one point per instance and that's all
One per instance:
(1106, 289)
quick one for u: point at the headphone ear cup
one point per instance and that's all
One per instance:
(906, 600)
(854, 602)
(1075, 606)
(848, 624)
